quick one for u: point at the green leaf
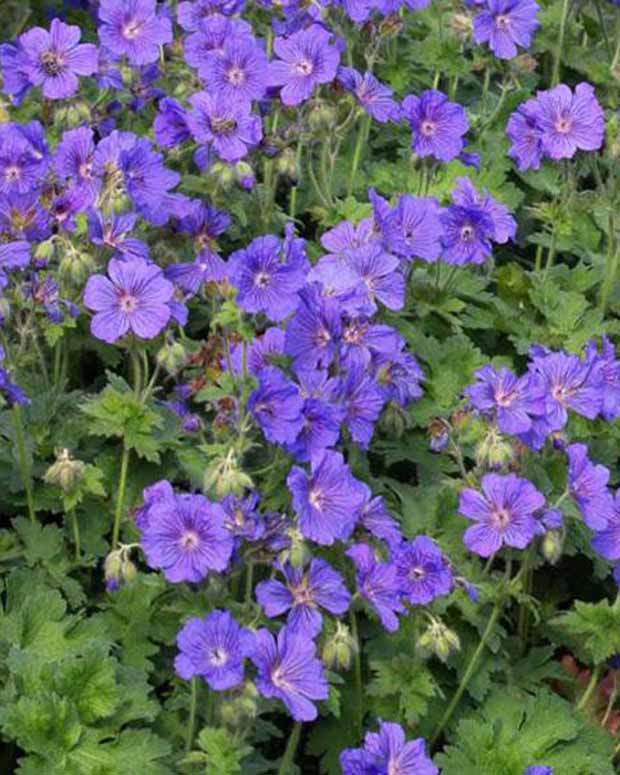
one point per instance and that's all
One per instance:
(593, 629)
(401, 688)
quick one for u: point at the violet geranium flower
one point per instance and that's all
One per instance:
(134, 29)
(215, 649)
(305, 60)
(587, 484)
(328, 500)
(438, 125)
(378, 584)
(303, 594)
(506, 24)
(422, 571)
(230, 128)
(133, 298)
(185, 536)
(289, 670)
(55, 59)
(503, 513)
(375, 97)
(387, 751)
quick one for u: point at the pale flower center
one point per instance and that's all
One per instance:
(315, 499)
(417, 573)
(262, 280)
(218, 657)
(502, 21)
(131, 30)
(501, 517)
(563, 124)
(427, 128)
(52, 63)
(12, 173)
(303, 67)
(236, 76)
(127, 302)
(467, 233)
(190, 540)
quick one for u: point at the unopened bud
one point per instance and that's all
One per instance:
(65, 472)
(172, 357)
(112, 568)
(340, 649)
(286, 164)
(462, 24)
(75, 266)
(439, 640)
(493, 450)
(224, 173)
(552, 546)
(321, 116)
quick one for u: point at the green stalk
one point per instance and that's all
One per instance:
(555, 78)
(358, 694)
(22, 459)
(611, 273)
(120, 498)
(362, 135)
(291, 749)
(585, 697)
(76, 533)
(550, 255)
(471, 669)
(191, 726)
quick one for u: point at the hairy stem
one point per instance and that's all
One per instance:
(555, 78)
(22, 459)
(291, 750)
(191, 726)
(590, 688)
(120, 497)
(358, 695)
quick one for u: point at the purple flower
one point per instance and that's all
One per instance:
(190, 14)
(276, 404)
(379, 275)
(304, 592)
(375, 97)
(229, 127)
(134, 29)
(438, 125)
(398, 376)
(413, 228)
(523, 132)
(267, 282)
(377, 520)
(243, 518)
(289, 670)
(238, 71)
(114, 234)
(134, 298)
(569, 122)
(607, 541)
(170, 125)
(328, 500)
(305, 59)
(313, 333)
(587, 483)
(503, 513)
(514, 400)
(211, 35)
(422, 571)
(538, 770)
(215, 649)
(504, 225)
(467, 236)
(387, 752)
(506, 24)
(321, 419)
(378, 583)
(362, 401)
(610, 370)
(15, 71)
(22, 166)
(56, 58)
(185, 536)
(73, 159)
(147, 180)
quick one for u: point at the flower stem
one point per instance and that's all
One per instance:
(191, 726)
(471, 669)
(291, 750)
(76, 533)
(120, 497)
(555, 78)
(358, 695)
(611, 274)
(585, 697)
(22, 459)
(360, 141)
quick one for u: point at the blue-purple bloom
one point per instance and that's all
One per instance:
(289, 670)
(55, 59)
(238, 71)
(230, 128)
(266, 278)
(133, 28)
(134, 298)
(607, 541)
(185, 536)
(504, 513)
(378, 584)
(328, 500)
(277, 405)
(375, 97)
(422, 571)
(412, 229)
(313, 333)
(362, 401)
(506, 24)
(305, 60)
(438, 125)
(213, 648)
(387, 751)
(303, 594)
(587, 484)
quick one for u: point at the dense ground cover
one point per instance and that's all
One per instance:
(309, 387)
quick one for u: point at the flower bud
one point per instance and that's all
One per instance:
(112, 569)
(552, 546)
(245, 175)
(129, 572)
(321, 116)
(394, 420)
(493, 450)
(286, 164)
(437, 639)
(612, 139)
(172, 356)
(225, 477)
(298, 553)
(462, 24)
(340, 649)
(75, 266)
(65, 472)
(439, 433)
(223, 173)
